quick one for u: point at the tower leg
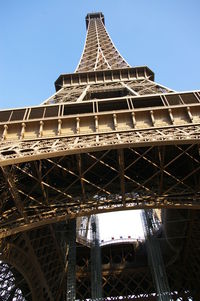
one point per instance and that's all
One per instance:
(71, 272)
(155, 258)
(96, 277)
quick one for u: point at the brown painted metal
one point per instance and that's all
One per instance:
(89, 183)
(99, 52)
(109, 139)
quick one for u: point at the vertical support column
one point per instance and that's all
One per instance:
(71, 271)
(96, 277)
(155, 258)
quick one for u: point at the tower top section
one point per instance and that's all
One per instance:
(90, 16)
(99, 51)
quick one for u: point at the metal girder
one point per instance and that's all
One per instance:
(9, 179)
(99, 52)
(139, 75)
(155, 257)
(103, 116)
(71, 269)
(36, 263)
(121, 278)
(111, 180)
(24, 151)
(95, 254)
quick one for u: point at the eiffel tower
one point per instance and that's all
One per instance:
(109, 139)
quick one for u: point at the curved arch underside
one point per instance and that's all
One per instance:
(47, 191)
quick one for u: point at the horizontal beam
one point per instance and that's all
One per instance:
(103, 116)
(152, 204)
(138, 103)
(26, 151)
(96, 77)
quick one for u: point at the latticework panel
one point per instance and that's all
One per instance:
(37, 255)
(83, 287)
(49, 254)
(146, 86)
(124, 273)
(98, 182)
(113, 89)
(179, 283)
(66, 94)
(190, 258)
(136, 283)
(179, 247)
(99, 51)
(13, 285)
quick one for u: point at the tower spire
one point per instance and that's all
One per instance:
(99, 51)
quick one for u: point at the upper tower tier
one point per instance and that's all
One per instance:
(99, 51)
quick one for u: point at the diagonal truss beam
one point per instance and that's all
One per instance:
(9, 178)
(178, 181)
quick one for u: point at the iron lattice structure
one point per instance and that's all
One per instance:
(109, 139)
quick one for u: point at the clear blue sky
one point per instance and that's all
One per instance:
(41, 39)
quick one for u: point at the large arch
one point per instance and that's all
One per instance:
(18, 261)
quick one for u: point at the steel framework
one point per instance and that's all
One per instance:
(155, 256)
(109, 139)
